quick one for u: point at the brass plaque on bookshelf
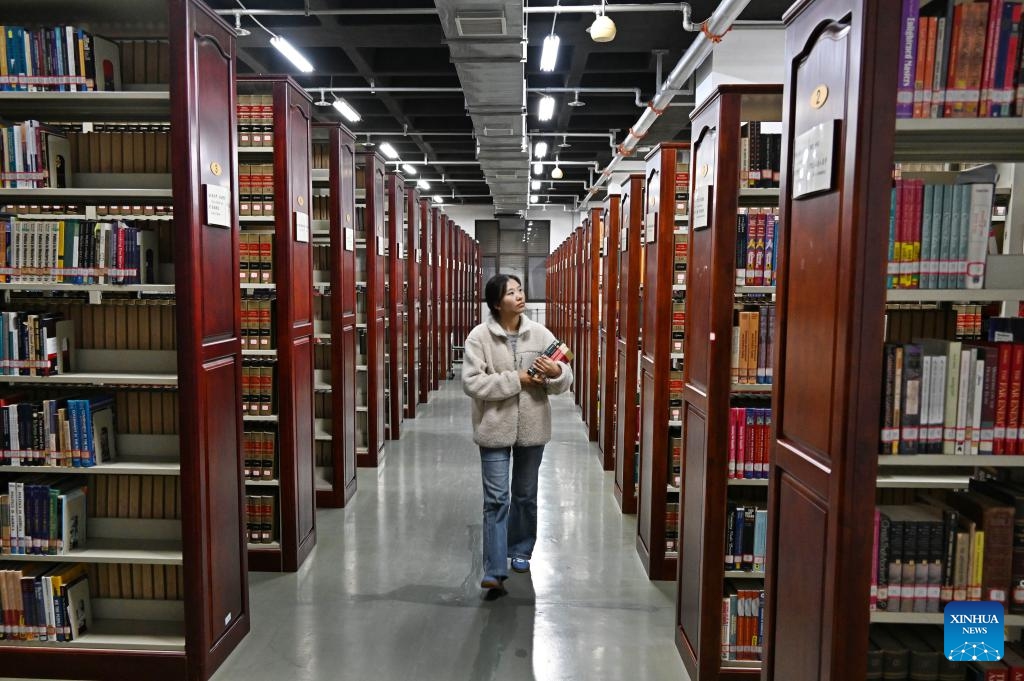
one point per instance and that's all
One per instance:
(819, 96)
(218, 205)
(813, 159)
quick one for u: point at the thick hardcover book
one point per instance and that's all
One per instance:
(895, 655)
(996, 520)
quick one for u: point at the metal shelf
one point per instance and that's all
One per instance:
(101, 550)
(118, 635)
(952, 295)
(743, 574)
(887, 617)
(959, 139)
(748, 482)
(84, 195)
(253, 418)
(125, 466)
(96, 379)
(262, 483)
(144, 289)
(255, 150)
(922, 481)
(936, 460)
(741, 290)
(86, 106)
(751, 387)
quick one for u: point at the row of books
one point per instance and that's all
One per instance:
(742, 623)
(137, 581)
(951, 546)
(44, 602)
(681, 183)
(749, 444)
(947, 397)
(71, 433)
(746, 536)
(938, 235)
(678, 321)
(910, 652)
(77, 252)
(102, 210)
(756, 258)
(35, 344)
(138, 148)
(255, 120)
(675, 462)
(33, 155)
(960, 59)
(256, 258)
(675, 395)
(959, 321)
(58, 59)
(142, 497)
(760, 149)
(260, 518)
(260, 454)
(257, 324)
(40, 517)
(256, 189)
(671, 528)
(680, 255)
(753, 342)
(258, 390)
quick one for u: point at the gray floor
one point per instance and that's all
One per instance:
(392, 590)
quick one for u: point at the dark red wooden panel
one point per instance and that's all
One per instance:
(609, 300)
(426, 299)
(826, 430)
(396, 301)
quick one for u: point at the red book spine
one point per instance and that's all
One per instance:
(1013, 409)
(999, 444)
(732, 443)
(995, 13)
(751, 444)
(741, 440)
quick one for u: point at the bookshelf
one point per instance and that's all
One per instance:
(163, 432)
(591, 318)
(334, 263)
(667, 167)
(426, 297)
(397, 310)
(371, 268)
(412, 300)
(731, 119)
(285, 107)
(575, 321)
(609, 302)
(434, 272)
(627, 342)
(853, 222)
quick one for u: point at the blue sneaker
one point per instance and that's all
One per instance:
(520, 565)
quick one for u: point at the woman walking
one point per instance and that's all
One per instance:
(511, 421)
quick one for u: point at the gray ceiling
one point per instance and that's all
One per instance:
(418, 43)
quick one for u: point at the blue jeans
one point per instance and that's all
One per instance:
(510, 521)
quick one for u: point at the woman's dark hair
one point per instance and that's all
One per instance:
(494, 291)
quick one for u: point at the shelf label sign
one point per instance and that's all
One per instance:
(302, 227)
(350, 239)
(973, 631)
(218, 206)
(702, 206)
(813, 160)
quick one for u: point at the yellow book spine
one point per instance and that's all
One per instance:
(976, 572)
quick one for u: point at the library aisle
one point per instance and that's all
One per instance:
(392, 589)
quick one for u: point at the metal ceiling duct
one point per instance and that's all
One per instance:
(491, 71)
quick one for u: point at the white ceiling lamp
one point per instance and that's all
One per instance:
(535, 185)
(556, 172)
(423, 184)
(438, 199)
(408, 169)
(538, 168)
(350, 114)
(549, 54)
(546, 108)
(540, 149)
(603, 28)
(388, 150)
(293, 55)
(534, 199)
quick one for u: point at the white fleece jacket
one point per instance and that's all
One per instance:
(505, 413)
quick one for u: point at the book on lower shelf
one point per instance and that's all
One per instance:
(742, 621)
(753, 344)
(746, 534)
(45, 602)
(260, 454)
(258, 390)
(749, 429)
(756, 257)
(261, 518)
(42, 518)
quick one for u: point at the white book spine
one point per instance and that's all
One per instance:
(977, 239)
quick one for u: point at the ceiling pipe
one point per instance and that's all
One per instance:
(719, 22)
(593, 9)
(331, 12)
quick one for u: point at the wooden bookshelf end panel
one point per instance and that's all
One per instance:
(302, 387)
(799, 630)
(224, 502)
(691, 539)
(840, 57)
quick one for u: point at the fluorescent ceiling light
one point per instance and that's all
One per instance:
(535, 185)
(285, 48)
(350, 114)
(422, 184)
(408, 168)
(438, 199)
(540, 149)
(388, 150)
(538, 168)
(546, 109)
(549, 55)
(534, 199)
